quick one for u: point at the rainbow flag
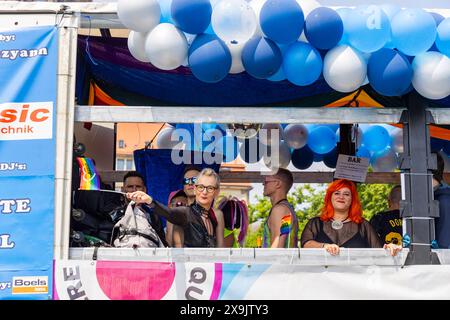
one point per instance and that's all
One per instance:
(89, 178)
(286, 223)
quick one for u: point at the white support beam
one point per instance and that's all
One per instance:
(208, 114)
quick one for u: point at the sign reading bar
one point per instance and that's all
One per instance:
(351, 168)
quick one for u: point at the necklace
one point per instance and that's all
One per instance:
(337, 225)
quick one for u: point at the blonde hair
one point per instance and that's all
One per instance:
(208, 172)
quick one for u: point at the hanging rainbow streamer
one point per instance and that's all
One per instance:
(286, 223)
(89, 178)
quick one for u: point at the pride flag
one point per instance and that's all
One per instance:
(286, 223)
(89, 178)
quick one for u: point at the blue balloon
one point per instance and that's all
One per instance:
(166, 16)
(376, 138)
(446, 148)
(321, 140)
(251, 150)
(363, 152)
(209, 58)
(261, 57)
(437, 145)
(368, 28)
(302, 158)
(413, 31)
(389, 72)
(443, 37)
(279, 75)
(344, 13)
(282, 20)
(191, 16)
(323, 28)
(302, 64)
(318, 157)
(330, 159)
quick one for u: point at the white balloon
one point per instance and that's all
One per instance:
(265, 134)
(431, 75)
(386, 163)
(139, 15)
(164, 140)
(257, 6)
(233, 21)
(236, 59)
(136, 45)
(296, 135)
(344, 68)
(166, 47)
(284, 157)
(397, 140)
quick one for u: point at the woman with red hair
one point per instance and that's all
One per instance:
(341, 223)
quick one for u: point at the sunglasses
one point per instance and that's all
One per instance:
(209, 189)
(192, 180)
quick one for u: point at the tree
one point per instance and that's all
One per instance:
(307, 200)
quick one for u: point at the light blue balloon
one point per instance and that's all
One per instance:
(391, 10)
(344, 13)
(368, 28)
(363, 152)
(413, 31)
(376, 138)
(166, 16)
(321, 140)
(302, 64)
(443, 37)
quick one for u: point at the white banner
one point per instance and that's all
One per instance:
(77, 280)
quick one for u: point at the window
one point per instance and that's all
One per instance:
(121, 144)
(120, 164)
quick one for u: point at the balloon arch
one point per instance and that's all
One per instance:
(395, 50)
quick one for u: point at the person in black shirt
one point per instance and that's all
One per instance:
(388, 224)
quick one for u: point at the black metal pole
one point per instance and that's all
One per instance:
(418, 209)
(346, 145)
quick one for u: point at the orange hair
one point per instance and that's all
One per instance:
(355, 210)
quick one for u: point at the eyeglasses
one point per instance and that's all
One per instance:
(201, 187)
(192, 180)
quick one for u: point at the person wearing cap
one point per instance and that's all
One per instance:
(176, 199)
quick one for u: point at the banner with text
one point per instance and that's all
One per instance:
(28, 86)
(144, 280)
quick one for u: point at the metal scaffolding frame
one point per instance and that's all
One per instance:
(418, 207)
